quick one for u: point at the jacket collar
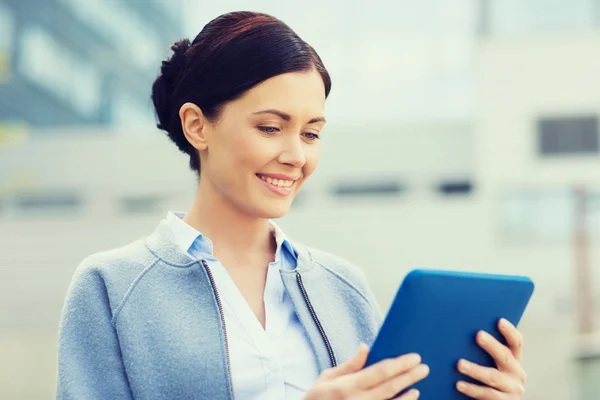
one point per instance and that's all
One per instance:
(163, 245)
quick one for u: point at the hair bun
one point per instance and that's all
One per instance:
(162, 89)
(171, 67)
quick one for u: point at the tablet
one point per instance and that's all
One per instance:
(437, 314)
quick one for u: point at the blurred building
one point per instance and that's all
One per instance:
(82, 62)
(538, 96)
(538, 158)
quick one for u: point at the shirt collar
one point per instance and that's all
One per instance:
(187, 236)
(282, 240)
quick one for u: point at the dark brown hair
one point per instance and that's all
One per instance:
(233, 53)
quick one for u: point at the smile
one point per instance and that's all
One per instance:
(282, 187)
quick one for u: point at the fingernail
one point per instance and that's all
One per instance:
(463, 366)
(503, 323)
(414, 393)
(461, 386)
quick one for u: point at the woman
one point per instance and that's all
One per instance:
(218, 303)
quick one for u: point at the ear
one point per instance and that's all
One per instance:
(193, 123)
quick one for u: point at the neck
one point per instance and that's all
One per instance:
(231, 231)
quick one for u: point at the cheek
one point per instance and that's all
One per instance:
(312, 153)
(243, 155)
(254, 152)
(235, 149)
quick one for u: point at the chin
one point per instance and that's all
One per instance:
(274, 213)
(270, 209)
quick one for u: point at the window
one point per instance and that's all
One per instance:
(170, 7)
(142, 204)
(574, 135)
(514, 18)
(47, 202)
(540, 215)
(48, 64)
(128, 33)
(368, 188)
(451, 188)
(7, 33)
(129, 111)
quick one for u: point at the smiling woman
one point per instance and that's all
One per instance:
(244, 100)
(218, 302)
(266, 138)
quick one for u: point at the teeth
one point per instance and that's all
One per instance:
(277, 182)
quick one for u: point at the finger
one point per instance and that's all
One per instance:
(397, 384)
(412, 394)
(491, 377)
(513, 337)
(480, 392)
(504, 358)
(385, 370)
(352, 365)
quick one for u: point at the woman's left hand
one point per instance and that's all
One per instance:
(507, 381)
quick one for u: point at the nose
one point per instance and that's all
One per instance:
(292, 153)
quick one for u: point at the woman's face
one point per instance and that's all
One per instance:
(265, 144)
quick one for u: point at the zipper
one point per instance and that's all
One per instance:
(317, 322)
(220, 306)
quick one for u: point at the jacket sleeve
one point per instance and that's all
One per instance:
(377, 313)
(90, 365)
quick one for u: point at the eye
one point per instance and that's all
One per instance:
(268, 129)
(311, 136)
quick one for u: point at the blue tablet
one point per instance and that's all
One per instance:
(437, 314)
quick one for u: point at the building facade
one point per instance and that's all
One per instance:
(82, 62)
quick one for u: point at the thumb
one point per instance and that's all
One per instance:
(352, 365)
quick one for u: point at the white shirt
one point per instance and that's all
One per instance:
(277, 362)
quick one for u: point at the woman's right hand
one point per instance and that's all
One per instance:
(382, 380)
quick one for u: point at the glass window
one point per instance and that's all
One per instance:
(368, 188)
(85, 87)
(523, 17)
(129, 111)
(49, 202)
(38, 57)
(48, 64)
(142, 204)
(545, 215)
(7, 33)
(573, 135)
(116, 21)
(455, 188)
(171, 8)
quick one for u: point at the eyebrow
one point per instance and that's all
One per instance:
(287, 117)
